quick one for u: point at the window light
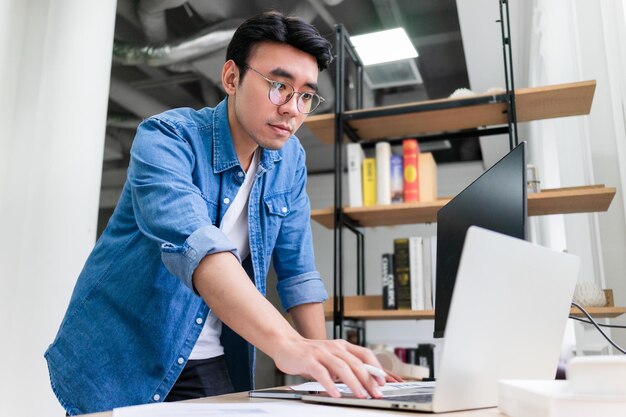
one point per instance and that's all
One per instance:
(384, 46)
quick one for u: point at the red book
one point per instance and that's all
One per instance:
(400, 353)
(410, 152)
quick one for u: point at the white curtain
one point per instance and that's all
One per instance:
(574, 41)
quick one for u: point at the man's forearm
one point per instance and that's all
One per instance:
(309, 320)
(228, 291)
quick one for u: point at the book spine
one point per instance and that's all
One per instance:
(410, 150)
(416, 272)
(402, 273)
(400, 353)
(369, 182)
(355, 156)
(427, 177)
(383, 173)
(389, 287)
(426, 357)
(397, 179)
(427, 273)
(412, 356)
(433, 268)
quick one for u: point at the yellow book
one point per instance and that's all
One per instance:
(369, 182)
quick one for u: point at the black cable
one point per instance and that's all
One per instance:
(613, 326)
(592, 321)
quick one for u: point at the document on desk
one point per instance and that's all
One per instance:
(244, 409)
(387, 389)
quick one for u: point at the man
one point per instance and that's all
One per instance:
(211, 195)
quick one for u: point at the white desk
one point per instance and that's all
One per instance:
(242, 397)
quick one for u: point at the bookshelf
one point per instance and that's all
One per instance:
(585, 199)
(474, 116)
(369, 307)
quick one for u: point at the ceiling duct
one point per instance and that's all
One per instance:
(392, 74)
(189, 49)
(158, 51)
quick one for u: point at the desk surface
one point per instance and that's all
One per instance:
(242, 397)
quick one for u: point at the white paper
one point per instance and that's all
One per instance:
(287, 408)
(388, 388)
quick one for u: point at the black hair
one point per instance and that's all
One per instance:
(275, 27)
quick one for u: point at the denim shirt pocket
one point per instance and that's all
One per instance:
(278, 204)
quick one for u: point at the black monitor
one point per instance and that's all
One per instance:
(496, 201)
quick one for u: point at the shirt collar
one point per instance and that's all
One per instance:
(224, 154)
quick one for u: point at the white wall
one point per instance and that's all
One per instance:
(54, 81)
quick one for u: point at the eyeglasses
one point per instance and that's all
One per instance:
(280, 93)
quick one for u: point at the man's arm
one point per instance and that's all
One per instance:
(309, 320)
(228, 291)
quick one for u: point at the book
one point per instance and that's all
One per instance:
(412, 356)
(354, 157)
(389, 286)
(550, 398)
(383, 173)
(401, 272)
(433, 268)
(427, 273)
(427, 177)
(426, 357)
(397, 179)
(400, 352)
(369, 182)
(416, 266)
(410, 150)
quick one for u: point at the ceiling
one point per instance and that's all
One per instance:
(147, 77)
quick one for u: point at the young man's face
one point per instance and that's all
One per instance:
(253, 118)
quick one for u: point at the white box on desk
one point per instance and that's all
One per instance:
(548, 398)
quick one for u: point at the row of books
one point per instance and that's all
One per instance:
(388, 178)
(408, 274)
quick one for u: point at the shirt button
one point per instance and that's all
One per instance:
(240, 174)
(180, 361)
(199, 320)
(156, 397)
(226, 200)
(284, 209)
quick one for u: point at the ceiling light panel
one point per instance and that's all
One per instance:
(384, 46)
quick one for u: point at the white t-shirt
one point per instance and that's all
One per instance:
(235, 227)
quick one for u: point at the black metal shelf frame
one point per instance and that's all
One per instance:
(344, 46)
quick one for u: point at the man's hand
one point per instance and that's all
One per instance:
(330, 360)
(228, 291)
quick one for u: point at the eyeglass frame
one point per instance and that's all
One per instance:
(293, 92)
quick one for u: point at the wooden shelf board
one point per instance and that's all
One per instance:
(369, 307)
(535, 103)
(600, 312)
(593, 198)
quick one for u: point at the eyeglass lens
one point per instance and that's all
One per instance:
(281, 93)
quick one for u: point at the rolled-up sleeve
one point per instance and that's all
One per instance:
(301, 289)
(168, 207)
(182, 260)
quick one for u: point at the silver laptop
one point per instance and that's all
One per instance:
(507, 318)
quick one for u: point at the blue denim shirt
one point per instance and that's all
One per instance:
(133, 317)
